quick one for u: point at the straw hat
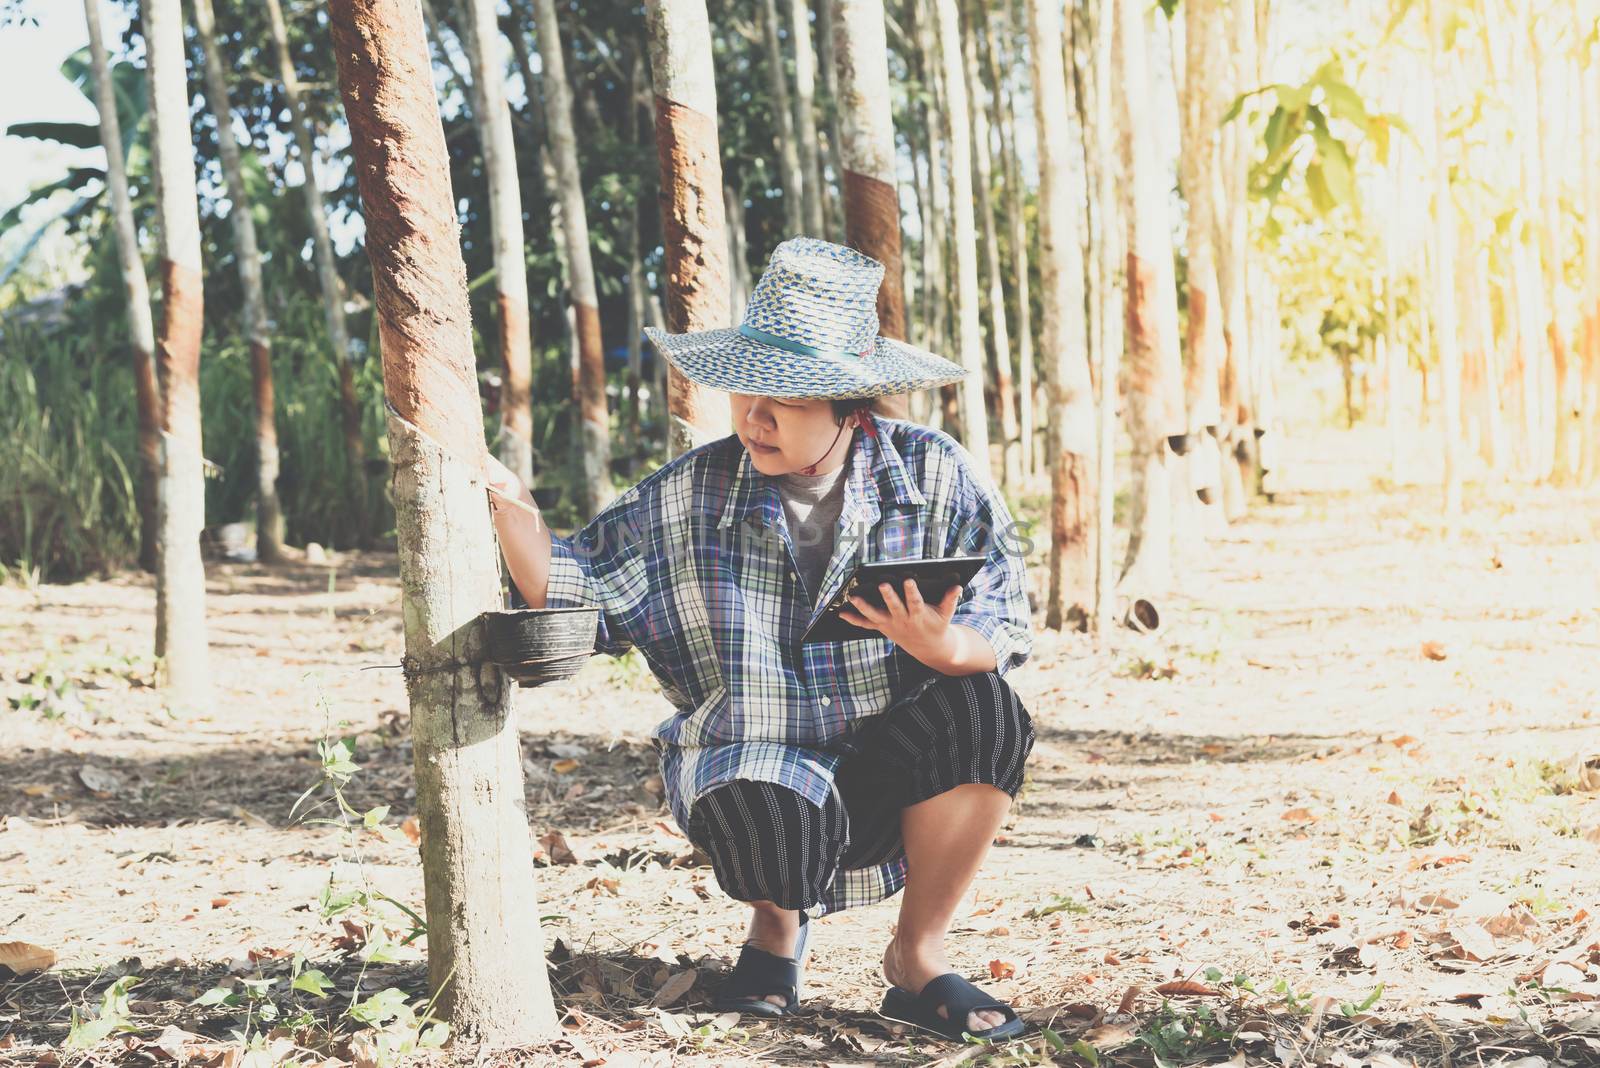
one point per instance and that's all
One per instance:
(810, 329)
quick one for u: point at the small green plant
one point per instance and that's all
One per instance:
(114, 1016)
(1060, 903)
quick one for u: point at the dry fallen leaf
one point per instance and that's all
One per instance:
(1128, 999)
(1394, 799)
(411, 829)
(24, 958)
(1299, 815)
(101, 782)
(1002, 969)
(220, 902)
(556, 848)
(1433, 650)
(1472, 941)
(677, 985)
(1110, 1036)
(1187, 988)
(564, 767)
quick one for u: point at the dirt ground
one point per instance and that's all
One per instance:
(1343, 809)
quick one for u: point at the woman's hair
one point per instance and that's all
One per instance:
(846, 407)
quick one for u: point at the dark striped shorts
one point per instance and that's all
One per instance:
(769, 843)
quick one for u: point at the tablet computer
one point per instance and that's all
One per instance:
(934, 578)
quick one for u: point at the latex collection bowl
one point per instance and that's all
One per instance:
(536, 646)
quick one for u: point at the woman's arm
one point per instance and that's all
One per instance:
(524, 538)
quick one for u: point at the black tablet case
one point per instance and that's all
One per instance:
(934, 579)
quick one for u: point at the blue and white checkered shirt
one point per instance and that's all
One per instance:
(694, 567)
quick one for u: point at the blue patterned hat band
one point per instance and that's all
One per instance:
(810, 329)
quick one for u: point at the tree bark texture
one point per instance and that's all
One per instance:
(1017, 227)
(790, 170)
(135, 293)
(181, 494)
(1071, 416)
(328, 282)
(485, 948)
(692, 213)
(269, 512)
(1446, 331)
(983, 180)
(867, 152)
(1200, 111)
(974, 407)
(805, 115)
(492, 113)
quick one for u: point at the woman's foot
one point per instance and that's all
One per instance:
(776, 931)
(910, 967)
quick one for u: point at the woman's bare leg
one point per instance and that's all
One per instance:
(774, 929)
(946, 839)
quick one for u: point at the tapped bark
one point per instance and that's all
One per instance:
(269, 512)
(594, 420)
(693, 218)
(871, 199)
(485, 948)
(135, 293)
(181, 495)
(492, 114)
(983, 179)
(328, 283)
(973, 405)
(1071, 422)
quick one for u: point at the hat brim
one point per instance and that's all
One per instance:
(727, 360)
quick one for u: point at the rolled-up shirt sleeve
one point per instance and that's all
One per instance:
(603, 566)
(995, 602)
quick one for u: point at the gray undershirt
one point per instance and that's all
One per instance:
(811, 507)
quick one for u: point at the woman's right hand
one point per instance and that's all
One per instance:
(503, 482)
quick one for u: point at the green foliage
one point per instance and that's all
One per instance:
(114, 1016)
(67, 503)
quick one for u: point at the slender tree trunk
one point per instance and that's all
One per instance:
(327, 274)
(1589, 304)
(1071, 422)
(692, 213)
(492, 117)
(1017, 227)
(805, 114)
(937, 129)
(1233, 273)
(457, 77)
(738, 254)
(1552, 254)
(871, 197)
(1200, 110)
(485, 949)
(596, 422)
(832, 207)
(135, 293)
(1108, 299)
(1446, 329)
(983, 179)
(1154, 387)
(181, 496)
(789, 166)
(974, 406)
(269, 514)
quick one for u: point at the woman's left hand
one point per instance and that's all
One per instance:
(920, 628)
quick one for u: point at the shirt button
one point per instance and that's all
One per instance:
(825, 701)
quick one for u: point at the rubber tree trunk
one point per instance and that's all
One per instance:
(1446, 329)
(1198, 177)
(327, 273)
(974, 406)
(790, 170)
(692, 212)
(1102, 164)
(828, 65)
(983, 180)
(1017, 228)
(486, 53)
(1071, 416)
(485, 949)
(1233, 268)
(935, 244)
(739, 283)
(805, 114)
(636, 283)
(867, 149)
(135, 293)
(181, 495)
(1154, 373)
(269, 513)
(1589, 304)
(593, 417)
(1550, 64)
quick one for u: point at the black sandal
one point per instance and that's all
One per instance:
(759, 973)
(958, 997)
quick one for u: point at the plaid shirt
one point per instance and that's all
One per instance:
(694, 566)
